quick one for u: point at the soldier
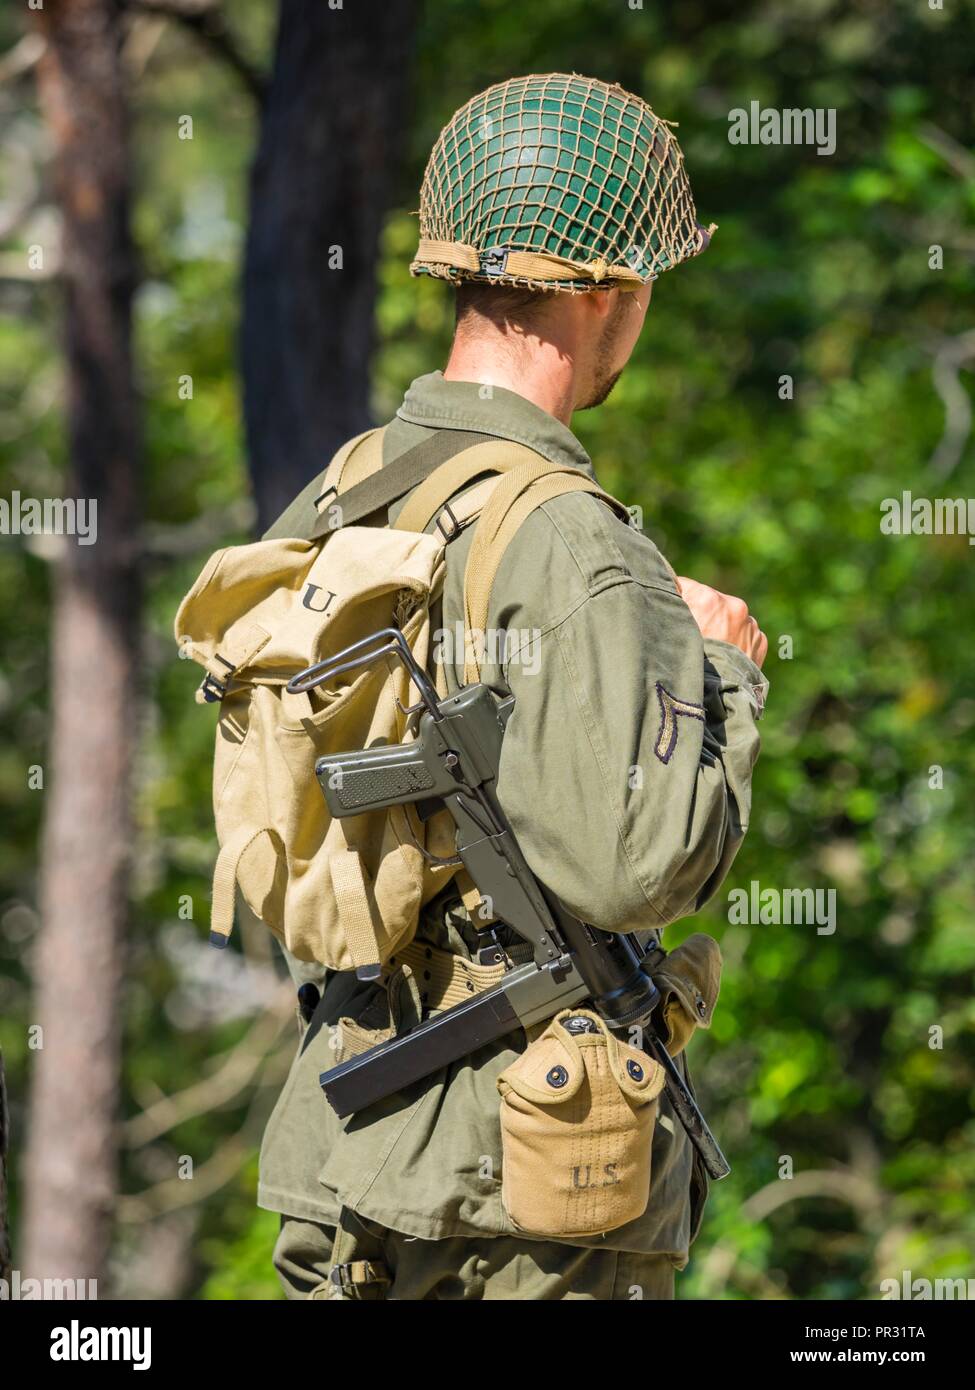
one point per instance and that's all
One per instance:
(551, 203)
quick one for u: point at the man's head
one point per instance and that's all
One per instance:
(552, 203)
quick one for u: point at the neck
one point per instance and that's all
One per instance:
(542, 372)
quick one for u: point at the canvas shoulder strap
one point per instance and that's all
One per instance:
(301, 514)
(356, 462)
(522, 481)
(517, 495)
(492, 456)
(361, 486)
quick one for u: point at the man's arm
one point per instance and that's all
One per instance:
(626, 769)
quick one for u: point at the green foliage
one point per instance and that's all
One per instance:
(821, 1050)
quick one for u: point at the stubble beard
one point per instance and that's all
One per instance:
(604, 376)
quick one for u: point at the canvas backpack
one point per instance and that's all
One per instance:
(345, 893)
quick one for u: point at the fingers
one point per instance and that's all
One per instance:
(759, 642)
(725, 617)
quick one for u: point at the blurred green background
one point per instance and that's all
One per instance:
(821, 1046)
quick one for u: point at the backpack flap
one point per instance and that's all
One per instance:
(259, 613)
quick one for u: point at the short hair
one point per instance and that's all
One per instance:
(499, 303)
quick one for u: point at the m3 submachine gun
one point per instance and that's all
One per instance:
(453, 762)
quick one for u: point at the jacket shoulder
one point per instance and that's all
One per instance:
(579, 531)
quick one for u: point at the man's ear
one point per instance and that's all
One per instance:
(601, 303)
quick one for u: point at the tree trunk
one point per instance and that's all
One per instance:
(320, 188)
(71, 1166)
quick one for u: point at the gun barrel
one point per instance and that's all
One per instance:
(686, 1110)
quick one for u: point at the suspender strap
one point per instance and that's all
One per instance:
(379, 487)
(515, 498)
(356, 459)
(489, 456)
(314, 498)
(351, 466)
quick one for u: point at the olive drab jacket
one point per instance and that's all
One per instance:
(626, 775)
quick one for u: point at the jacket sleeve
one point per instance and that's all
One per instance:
(626, 767)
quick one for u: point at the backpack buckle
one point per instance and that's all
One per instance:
(212, 688)
(348, 1278)
(455, 525)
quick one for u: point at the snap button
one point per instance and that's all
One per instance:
(579, 1024)
(557, 1078)
(635, 1070)
(702, 1007)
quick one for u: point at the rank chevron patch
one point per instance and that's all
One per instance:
(671, 708)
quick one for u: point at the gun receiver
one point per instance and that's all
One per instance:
(454, 761)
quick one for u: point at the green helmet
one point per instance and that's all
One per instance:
(556, 182)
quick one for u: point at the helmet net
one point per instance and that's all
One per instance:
(556, 182)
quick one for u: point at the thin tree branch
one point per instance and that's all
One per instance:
(14, 267)
(204, 533)
(840, 1184)
(22, 57)
(205, 19)
(182, 9)
(959, 159)
(218, 1170)
(948, 362)
(239, 1067)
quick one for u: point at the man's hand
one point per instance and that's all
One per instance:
(724, 618)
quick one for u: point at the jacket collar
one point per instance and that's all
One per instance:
(460, 405)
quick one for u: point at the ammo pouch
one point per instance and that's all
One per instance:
(689, 978)
(577, 1116)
